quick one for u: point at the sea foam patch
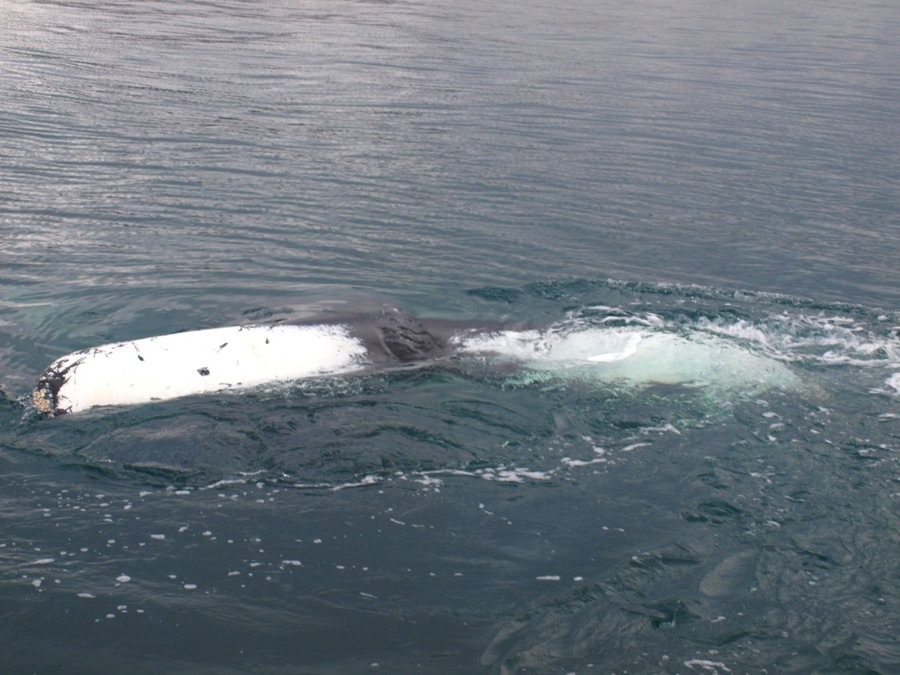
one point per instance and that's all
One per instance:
(894, 383)
(637, 356)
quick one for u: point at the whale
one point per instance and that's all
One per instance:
(241, 357)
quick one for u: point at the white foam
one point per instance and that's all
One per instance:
(568, 461)
(364, 482)
(894, 383)
(512, 475)
(709, 666)
(635, 446)
(817, 338)
(637, 356)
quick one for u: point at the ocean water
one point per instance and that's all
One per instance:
(681, 453)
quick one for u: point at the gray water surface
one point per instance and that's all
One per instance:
(709, 169)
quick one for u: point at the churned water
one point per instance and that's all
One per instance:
(680, 453)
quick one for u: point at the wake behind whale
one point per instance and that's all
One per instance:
(244, 357)
(635, 356)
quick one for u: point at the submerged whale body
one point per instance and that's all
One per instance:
(242, 357)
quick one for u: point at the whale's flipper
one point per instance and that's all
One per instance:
(196, 362)
(236, 357)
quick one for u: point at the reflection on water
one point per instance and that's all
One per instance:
(215, 151)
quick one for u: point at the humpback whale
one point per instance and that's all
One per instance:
(246, 356)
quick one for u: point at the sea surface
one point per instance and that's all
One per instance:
(723, 176)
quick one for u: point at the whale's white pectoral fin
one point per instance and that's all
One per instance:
(196, 362)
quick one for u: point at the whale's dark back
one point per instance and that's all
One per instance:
(406, 338)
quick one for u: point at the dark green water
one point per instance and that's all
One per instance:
(715, 171)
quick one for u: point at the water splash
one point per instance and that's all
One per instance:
(637, 356)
